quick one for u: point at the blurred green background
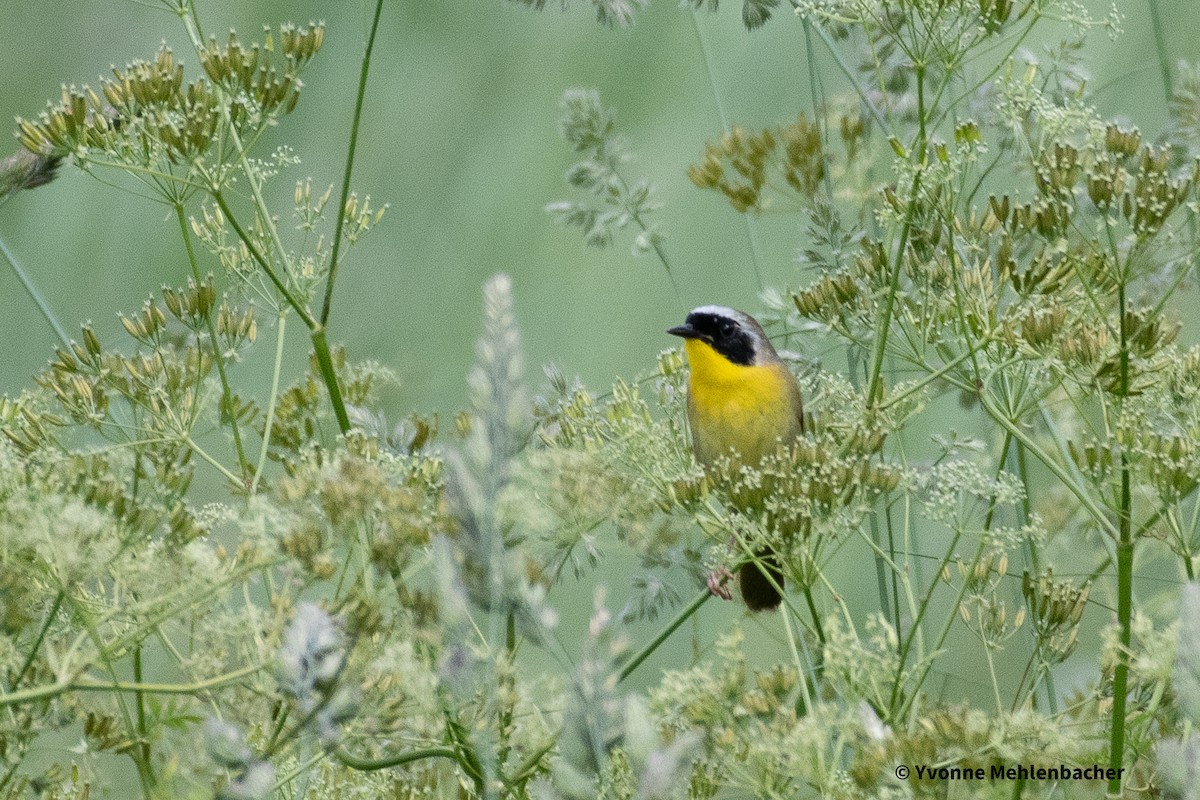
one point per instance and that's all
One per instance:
(459, 136)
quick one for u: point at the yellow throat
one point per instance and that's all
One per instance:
(738, 407)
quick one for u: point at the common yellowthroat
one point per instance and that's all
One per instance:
(742, 401)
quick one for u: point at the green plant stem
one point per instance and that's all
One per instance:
(1124, 574)
(661, 254)
(81, 685)
(526, 768)
(186, 9)
(228, 411)
(922, 143)
(1031, 446)
(891, 535)
(140, 707)
(747, 222)
(35, 693)
(655, 245)
(36, 295)
(816, 618)
(349, 169)
(991, 662)
(1017, 693)
(329, 375)
(300, 769)
(1034, 561)
(282, 714)
(936, 374)
(8, 774)
(890, 610)
(802, 663)
(217, 465)
(260, 204)
(1124, 617)
(37, 643)
(508, 680)
(906, 644)
(166, 688)
(845, 69)
(463, 753)
(219, 198)
(272, 400)
(104, 655)
(1193, 527)
(1160, 46)
(155, 617)
(373, 764)
(889, 561)
(907, 700)
(296, 729)
(1003, 62)
(164, 612)
(874, 388)
(680, 618)
(816, 90)
(316, 330)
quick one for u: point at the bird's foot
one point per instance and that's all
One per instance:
(718, 583)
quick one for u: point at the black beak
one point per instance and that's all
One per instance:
(686, 332)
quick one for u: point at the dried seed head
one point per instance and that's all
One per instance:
(300, 45)
(825, 299)
(737, 165)
(1087, 345)
(91, 341)
(1040, 326)
(1058, 171)
(1056, 608)
(670, 363)
(1120, 142)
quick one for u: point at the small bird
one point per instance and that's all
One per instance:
(742, 401)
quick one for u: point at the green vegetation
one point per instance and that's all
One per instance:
(340, 605)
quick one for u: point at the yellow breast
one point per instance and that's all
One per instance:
(738, 408)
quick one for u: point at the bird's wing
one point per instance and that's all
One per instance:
(797, 403)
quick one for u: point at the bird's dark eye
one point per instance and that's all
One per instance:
(727, 329)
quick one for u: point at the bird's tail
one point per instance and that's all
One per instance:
(759, 579)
